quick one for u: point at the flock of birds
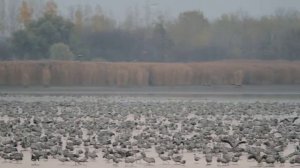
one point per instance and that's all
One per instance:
(133, 132)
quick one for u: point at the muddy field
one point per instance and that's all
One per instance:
(155, 127)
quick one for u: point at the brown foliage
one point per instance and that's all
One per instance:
(25, 13)
(51, 8)
(67, 73)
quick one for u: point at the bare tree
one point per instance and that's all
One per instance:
(2, 16)
(13, 14)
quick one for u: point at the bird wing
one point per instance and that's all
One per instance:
(263, 157)
(241, 142)
(268, 144)
(294, 119)
(292, 154)
(252, 156)
(227, 141)
(284, 120)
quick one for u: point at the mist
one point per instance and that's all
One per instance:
(149, 30)
(213, 9)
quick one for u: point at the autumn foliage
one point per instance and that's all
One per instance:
(73, 73)
(51, 8)
(25, 15)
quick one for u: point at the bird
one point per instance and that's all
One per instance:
(35, 157)
(177, 159)
(164, 158)
(225, 159)
(296, 159)
(129, 160)
(290, 120)
(222, 160)
(84, 159)
(295, 153)
(281, 159)
(182, 161)
(74, 159)
(196, 158)
(235, 159)
(270, 159)
(63, 159)
(115, 160)
(17, 156)
(149, 160)
(233, 144)
(257, 157)
(92, 155)
(208, 158)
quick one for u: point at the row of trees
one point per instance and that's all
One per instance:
(90, 34)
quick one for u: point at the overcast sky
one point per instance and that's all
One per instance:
(211, 8)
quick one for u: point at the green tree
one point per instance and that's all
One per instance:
(60, 51)
(190, 29)
(101, 22)
(161, 41)
(34, 41)
(79, 20)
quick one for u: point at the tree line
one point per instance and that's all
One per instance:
(40, 31)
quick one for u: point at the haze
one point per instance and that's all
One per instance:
(211, 8)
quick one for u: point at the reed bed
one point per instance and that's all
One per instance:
(73, 73)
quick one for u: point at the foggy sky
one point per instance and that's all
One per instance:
(211, 8)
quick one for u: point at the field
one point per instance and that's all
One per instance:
(160, 127)
(123, 74)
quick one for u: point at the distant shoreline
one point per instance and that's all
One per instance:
(182, 91)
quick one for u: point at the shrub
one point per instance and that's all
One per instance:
(60, 51)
